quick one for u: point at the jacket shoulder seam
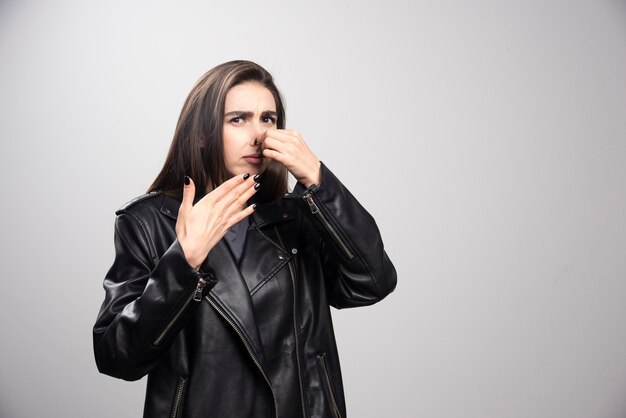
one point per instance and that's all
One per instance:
(136, 200)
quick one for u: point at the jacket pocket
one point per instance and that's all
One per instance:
(177, 406)
(321, 360)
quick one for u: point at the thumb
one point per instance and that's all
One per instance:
(189, 192)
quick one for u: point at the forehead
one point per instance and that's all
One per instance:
(249, 96)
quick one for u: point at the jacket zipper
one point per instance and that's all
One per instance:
(333, 402)
(180, 390)
(199, 287)
(295, 325)
(195, 296)
(295, 334)
(315, 210)
(248, 348)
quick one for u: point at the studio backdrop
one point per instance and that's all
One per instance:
(487, 138)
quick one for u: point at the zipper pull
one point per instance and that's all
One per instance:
(198, 295)
(311, 202)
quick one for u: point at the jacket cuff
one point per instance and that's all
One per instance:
(173, 264)
(300, 189)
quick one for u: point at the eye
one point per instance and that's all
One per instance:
(269, 119)
(236, 120)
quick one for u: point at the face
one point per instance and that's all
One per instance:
(249, 110)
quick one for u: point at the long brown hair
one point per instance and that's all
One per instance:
(197, 149)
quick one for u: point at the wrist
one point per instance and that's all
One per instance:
(314, 178)
(192, 259)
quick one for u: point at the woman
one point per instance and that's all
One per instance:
(222, 281)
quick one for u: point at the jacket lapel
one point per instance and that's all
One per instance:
(262, 257)
(232, 295)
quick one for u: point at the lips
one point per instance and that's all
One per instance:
(254, 158)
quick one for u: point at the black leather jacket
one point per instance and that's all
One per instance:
(199, 343)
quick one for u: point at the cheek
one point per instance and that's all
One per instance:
(231, 143)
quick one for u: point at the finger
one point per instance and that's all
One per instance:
(189, 192)
(281, 146)
(262, 137)
(277, 135)
(224, 188)
(270, 143)
(240, 202)
(244, 213)
(275, 155)
(238, 196)
(291, 133)
(285, 134)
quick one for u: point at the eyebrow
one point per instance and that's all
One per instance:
(249, 114)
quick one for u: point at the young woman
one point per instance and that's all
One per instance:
(221, 284)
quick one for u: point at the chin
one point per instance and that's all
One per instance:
(257, 169)
(251, 170)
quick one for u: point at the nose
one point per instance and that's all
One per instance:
(258, 131)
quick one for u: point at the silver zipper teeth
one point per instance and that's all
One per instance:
(316, 211)
(295, 334)
(179, 397)
(199, 287)
(330, 388)
(295, 324)
(248, 348)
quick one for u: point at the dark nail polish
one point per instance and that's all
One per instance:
(256, 178)
(187, 180)
(256, 186)
(245, 176)
(254, 207)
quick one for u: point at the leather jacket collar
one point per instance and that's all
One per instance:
(262, 216)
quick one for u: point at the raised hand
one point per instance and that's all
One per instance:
(200, 227)
(288, 148)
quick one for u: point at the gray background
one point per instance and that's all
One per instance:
(488, 139)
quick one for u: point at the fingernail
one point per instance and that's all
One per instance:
(256, 186)
(254, 207)
(187, 180)
(256, 178)
(245, 176)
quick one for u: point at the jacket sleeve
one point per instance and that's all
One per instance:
(357, 269)
(147, 300)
